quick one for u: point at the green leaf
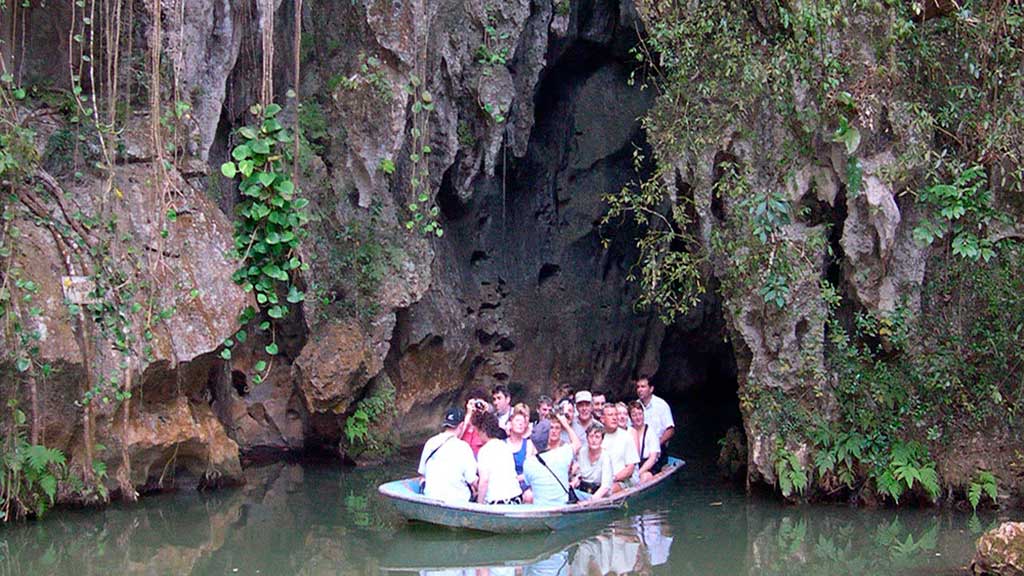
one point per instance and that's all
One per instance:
(241, 336)
(295, 296)
(266, 178)
(277, 312)
(285, 187)
(272, 348)
(228, 169)
(23, 364)
(225, 354)
(241, 152)
(260, 366)
(261, 146)
(49, 486)
(271, 125)
(272, 110)
(247, 132)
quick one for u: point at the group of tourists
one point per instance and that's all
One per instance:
(580, 447)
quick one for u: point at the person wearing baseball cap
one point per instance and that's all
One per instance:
(584, 413)
(447, 463)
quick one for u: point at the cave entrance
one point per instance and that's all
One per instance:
(697, 377)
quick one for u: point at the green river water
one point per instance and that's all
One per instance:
(317, 518)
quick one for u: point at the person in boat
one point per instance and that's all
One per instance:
(544, 406)
(496, 466)
(447, 464)
(519, 441)
(598, 404)
(476, 403)
(621, 450)
(658, 416)
(547, 473)
(540, 428)
(502, 405)
(623, 411)
(584, 415)
(567, 409)
(595, 466)
(647, 444)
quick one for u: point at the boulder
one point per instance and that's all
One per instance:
(338, 363)
(1000, 551)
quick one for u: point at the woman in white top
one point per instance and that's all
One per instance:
(647, 445)
(496, 466)
(594, 464)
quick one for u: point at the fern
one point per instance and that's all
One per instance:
(984, 483)
(31, 472)
(790, 472)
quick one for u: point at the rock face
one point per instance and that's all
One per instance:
(1000, 551)
(531, 122)
(187, 263)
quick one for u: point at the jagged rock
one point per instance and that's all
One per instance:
(178, 434)
(1000, 551)
(338, 363)
(882, 263)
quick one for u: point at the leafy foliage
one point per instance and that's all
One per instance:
(359, 430)
(671, 280)
(270, 221)
(952, 90)
(790, 472)
(965, 211)
(29, 473)
(984, 482)
(423, 211)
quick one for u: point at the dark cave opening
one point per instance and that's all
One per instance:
(697, 376)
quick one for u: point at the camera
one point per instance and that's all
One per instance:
(480, 405)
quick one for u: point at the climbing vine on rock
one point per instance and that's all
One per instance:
(270, 223)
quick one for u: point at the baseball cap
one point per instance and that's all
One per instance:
(453, 417)
(584, 396)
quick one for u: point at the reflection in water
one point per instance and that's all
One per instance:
(311, 520)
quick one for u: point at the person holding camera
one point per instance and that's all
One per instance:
(468, 433)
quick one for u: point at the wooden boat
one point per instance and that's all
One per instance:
(405, 495)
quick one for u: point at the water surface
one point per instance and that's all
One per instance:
(320, 519)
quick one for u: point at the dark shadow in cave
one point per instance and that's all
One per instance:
(697, 377)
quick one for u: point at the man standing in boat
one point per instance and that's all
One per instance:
(447, 463)
(658, 416)
(502, 405)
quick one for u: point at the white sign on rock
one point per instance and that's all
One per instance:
(77, 289)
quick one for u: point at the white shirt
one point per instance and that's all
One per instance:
(495, 457)
(648, 441)
(503, 418)
(451, 469)
(546, 489)
(620, 448)
(599, 472)
(658, 415)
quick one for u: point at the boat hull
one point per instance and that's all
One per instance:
(404, 494)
